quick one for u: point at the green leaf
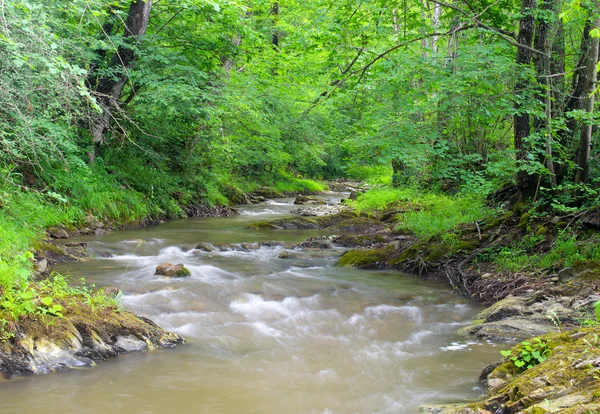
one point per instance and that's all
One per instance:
(47, 300)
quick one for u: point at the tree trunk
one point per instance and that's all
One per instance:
(575, 98)
(585, 140)
(109, 88)
(275, 35)
(398, 172)
(525, 181)
(435, 24)
(546, 30)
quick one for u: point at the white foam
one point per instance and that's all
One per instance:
(411, 313)
(255, 307)
(267, 212)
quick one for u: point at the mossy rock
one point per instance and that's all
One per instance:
(409, 254)
(352, 240)
(263, 225)
(171, 270)
(586, 270)
(436, 253)
(303, 223)
(366, 259)
(565, 382)
(45, 247)
(84, 334)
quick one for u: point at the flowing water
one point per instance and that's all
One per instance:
(265, 335)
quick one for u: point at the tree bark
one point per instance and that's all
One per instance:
(525, 181)
(109, 88)
(275, 34)
(547, 28)
(435, 23)
(590, 75)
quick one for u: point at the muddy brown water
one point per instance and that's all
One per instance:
(265, 335)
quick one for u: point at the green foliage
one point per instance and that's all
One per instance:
(566, 249)
(528, 354)
(299, 185)
(423, 213)
(594, 320)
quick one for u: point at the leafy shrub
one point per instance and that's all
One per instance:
(531, 354)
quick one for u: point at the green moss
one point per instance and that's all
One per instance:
(362, 259)
(352, 240)
(435, 253)
(408, 254)
(464, 246)
(261, 225)
(561, 225)
(588, 270)
(541, 231)
(519, 209)
(45, 247)
(524, 221)
(183, 272)
(537, 410)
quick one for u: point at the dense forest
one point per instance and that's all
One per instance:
(130, 112)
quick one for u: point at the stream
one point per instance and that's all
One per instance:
(264, 335)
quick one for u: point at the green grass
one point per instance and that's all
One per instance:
(423, 213)
(567, 250)
(294, 185)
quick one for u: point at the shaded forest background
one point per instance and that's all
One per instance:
(133, 109)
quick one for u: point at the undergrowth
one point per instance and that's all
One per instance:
(426, 214)
(567, 249)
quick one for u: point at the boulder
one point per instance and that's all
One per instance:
(290, 255)
(172, 270)
(320, 211)
(271, 243)
(309, 200)
(205, 247)
(313, 244)
(58, 233)
(93, 222)
(516, 328)
(506, 308)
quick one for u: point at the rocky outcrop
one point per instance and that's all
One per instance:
(205, 247)
(567, 382)
(345, 222)
(202, 210)
(519, 318)
(172, 270)
(309, 200)
(79, 340)
(320, 211)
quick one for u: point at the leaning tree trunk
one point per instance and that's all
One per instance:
(525, 181)
(109, 88)
(585, 140)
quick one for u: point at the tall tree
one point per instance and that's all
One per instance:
(109, 88)
(590, 77)
(525, 182)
